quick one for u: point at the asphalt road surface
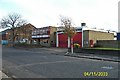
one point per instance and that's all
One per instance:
(20, 63)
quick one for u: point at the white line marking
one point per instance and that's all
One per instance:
(42, 63)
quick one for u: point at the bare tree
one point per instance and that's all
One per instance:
(68, 29)
(12, 21)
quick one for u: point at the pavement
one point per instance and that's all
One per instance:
(80, 55)
(95, 56)
(3, 75)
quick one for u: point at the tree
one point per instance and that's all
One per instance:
(12, 21)
(68, 29)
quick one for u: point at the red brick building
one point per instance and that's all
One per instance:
(20, 36)
(45, 35)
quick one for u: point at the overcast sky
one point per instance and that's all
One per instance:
(40, 13)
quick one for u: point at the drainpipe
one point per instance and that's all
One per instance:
(57, 40)
(83, 25)
(82, 38)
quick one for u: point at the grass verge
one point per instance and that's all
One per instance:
(99, 48)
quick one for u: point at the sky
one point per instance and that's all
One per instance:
(102, 14)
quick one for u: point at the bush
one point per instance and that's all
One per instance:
(28, 45)
(76, 45)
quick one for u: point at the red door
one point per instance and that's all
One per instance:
(63, 40)
(91, 43)
(78, 38)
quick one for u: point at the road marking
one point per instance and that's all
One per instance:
(3, 75)
(107, 67)
(42, 63)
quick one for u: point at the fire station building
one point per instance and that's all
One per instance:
(55, 37)
(62, 39)
(84, 36)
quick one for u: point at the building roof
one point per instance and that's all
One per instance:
(7, 30)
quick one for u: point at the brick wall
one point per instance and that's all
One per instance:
(96, 35)
(109, 43)
(53, 36)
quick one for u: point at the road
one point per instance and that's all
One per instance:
(21, 63)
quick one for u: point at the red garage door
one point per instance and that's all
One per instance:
(78, 38)
(63, 40)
